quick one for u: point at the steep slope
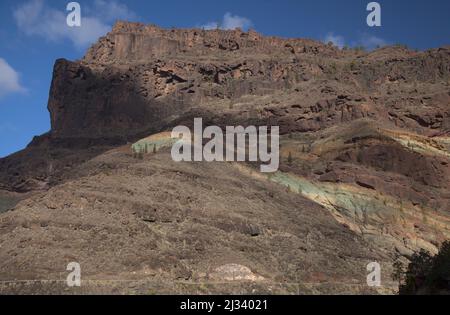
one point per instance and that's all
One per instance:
(154, 225)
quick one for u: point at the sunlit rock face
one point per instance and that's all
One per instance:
(140, 78)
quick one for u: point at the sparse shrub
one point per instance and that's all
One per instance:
(290, 158)
(154, 148)
(141, 153)
(402, 210)
(401, 46)
(424, 217)
(333, 68)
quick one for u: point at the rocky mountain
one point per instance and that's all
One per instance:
(364, 176)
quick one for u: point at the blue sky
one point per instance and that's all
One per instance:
(33, 34)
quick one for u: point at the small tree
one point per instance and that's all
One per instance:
(290, 158)
(154, 148)
(416, 273)
(146, 148)
(398, 272)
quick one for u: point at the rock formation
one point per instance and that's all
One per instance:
(368, 135)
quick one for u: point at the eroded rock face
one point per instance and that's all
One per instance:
(365, 161)
(84, 104)
(140, 42)
(139, 78)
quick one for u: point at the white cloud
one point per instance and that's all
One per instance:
(35, 18)
(210, 26)
(230, 22)
(335, 39)
(372, 42)
(367, 41)
(9, 79)
(111, 10)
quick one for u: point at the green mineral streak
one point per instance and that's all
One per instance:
(159, 144)
(335, 196)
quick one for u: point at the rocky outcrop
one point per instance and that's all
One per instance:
(139, 78)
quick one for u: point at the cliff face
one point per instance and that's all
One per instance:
(365, 160)
(141, 78)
